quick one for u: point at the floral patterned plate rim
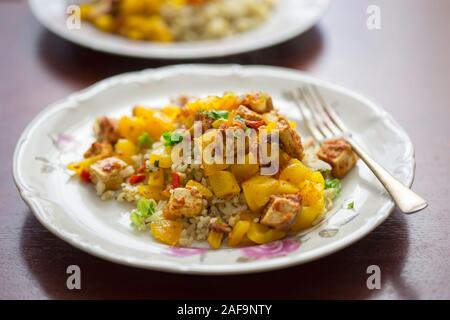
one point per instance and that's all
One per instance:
(290, 18)
(73, 212)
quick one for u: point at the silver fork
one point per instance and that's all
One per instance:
(324, 123)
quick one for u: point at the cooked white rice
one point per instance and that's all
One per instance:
(217, 19)
(227, 210)
(128, 193)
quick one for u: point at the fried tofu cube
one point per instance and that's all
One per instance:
(290, 139)
(339, 154)
(103, 149)
(108, 171)
(248, 114)
(106, 129)
(281, 211)
(184, 202)
(259, 102)
(205, 120)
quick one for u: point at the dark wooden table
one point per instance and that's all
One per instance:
(405, 67)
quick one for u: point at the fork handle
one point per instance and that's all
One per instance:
(405, 199)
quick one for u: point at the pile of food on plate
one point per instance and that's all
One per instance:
(149, 159)
(176, 20)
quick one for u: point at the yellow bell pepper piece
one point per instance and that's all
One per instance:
(159, 123)
(229, 101)
(202, 142)
(125, 149)
(215, 239)
(258, 189)
(206, 139)
(155, 122)
(85, 11)
(201, 188)
(161, 155)
(154, 193)
(140, 111)
(78, 167)
(261, 234)
(156, 28)
(318, 178)
(312, 194)
(217, 123)
(156, 178)
(285, 187)
(128, 7)
(306, 218)
(131, 128)
(210, 169)
(245, 170)
(172, 111)
(167, 231)
(296, 172)
(105, 23)
(223, 183)
(237, 234)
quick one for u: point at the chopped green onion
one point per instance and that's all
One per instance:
(239, 118)
(217, 114)
(351, 205)
(248, 131)
(335, 184)
(137, 220)
(145, 209)
(144, 140)
(176, 137)
(172, 138)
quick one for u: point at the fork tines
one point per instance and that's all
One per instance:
(319, 116)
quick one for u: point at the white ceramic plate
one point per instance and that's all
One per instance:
(73, 212)
(291, 18)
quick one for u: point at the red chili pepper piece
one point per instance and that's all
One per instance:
(255, 124)
(235, 123)
(136, 179)
(85, 176)
(176, 180)
(141, 169)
